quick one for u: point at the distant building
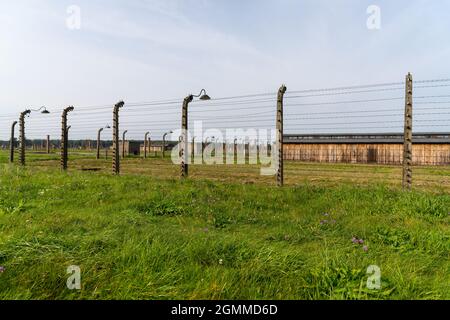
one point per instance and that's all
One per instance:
(379, 148)
(131, 148)
(157, 146)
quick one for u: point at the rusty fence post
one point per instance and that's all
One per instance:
(48, 144)
(184, 143)
(116, 154)
(193, 150)
(146, 144)
(164, 143)
(408, 130)
(12, 143)
(280, 155)
(99, 133)
(163, 149)
(68, 141)
(149, 146)
(235, 151)
(64, 137)
(22, 136)
(123, 143)
(184, 137)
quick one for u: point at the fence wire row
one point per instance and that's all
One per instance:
(331, 135)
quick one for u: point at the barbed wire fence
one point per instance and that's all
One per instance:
(365, 125)
(344, 112)
(432, 114)
(331, 135)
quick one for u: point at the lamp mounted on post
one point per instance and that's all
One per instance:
(42, 110)
(184, 130)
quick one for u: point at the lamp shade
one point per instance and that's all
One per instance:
(205, 97)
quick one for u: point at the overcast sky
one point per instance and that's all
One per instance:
(144, 50)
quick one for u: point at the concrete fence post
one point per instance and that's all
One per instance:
(124, 134)
(48, 144)
(116, 154)
(193, 150)
(279, 125)
(22, 137)
(149, 143)
(98, 142)
(68, 140)
(184, 137)
(164, 146)
(408, 130)
(235, 151)
(247, 152)
(12, 143)
(64, 137)
(146, 144)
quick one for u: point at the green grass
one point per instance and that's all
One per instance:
(426, 178)
(155, 237)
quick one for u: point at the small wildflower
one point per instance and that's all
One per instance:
(326, 214)
(220, 261)
(361, 241)
(355, 240)
(2, 269)
(366, 248)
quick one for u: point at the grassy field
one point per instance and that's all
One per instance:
(225, 233)
(435, 179)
